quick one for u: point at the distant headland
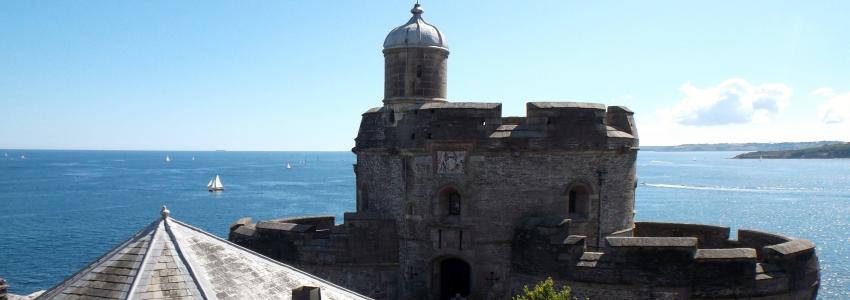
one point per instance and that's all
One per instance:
(841, 150)
(741, 146)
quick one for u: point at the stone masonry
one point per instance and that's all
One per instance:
(454, 198)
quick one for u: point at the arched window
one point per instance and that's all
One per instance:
(449, 204)
(454, 204)
(578, 202)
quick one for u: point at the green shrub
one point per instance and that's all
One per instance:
(544, 290)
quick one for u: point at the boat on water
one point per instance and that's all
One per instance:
(167, 158)
(193, 158)
(288, 165)
(23, 157)
(215, 184)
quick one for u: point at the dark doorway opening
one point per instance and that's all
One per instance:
(454, 278)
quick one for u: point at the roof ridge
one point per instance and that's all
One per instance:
(144, 261)
(265, 257)
(189, 265)
(51, 292)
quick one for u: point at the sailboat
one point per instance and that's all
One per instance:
(167, 158)
(215, 184)
(288, 166)
(193, 158)
(23, 157)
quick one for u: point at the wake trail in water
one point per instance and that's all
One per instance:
(727, 189)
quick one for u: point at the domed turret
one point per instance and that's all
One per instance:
(416, 33)
(415, 59)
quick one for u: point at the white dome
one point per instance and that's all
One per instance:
(416, 33)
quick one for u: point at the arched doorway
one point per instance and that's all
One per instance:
(454, 278)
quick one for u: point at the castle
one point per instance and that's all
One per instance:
(455, 199)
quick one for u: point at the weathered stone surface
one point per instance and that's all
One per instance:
(171, 260)
(795, 247)
(732, 254)
(659, 242)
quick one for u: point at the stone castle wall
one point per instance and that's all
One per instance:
(439, 182)
(678, 261)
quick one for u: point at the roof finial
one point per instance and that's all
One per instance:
(165, 212)
(417, 9)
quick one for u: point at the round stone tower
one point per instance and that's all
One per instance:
(415, 58)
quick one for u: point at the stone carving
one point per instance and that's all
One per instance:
(451, 162)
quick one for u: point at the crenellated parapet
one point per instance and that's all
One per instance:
(690, 261)
(363, 238)
(547, 125)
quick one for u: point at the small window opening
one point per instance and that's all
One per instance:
(364, 198)
(429, 136)
(578, 202)
(439, 238)
(573, 202)
(412, 136)
(392, 116)
(484, 123)
(410, 209)
(454, 204)
(418, 71)
(460, 240)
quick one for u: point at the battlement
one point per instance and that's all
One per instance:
(700, 258)
(315, 239)
(547, 125)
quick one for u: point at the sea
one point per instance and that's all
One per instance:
(63, 209)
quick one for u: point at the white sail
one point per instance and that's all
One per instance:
(167, 158)
(288, 166)
(215, 184)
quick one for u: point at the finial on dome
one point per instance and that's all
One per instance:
(165, 212)
(417, 9)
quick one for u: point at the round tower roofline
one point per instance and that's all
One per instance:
(416, 33)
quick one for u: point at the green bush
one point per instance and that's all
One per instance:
(544, 290)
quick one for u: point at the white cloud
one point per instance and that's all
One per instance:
(734, 101)
(836, 108)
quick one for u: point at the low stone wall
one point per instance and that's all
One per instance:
(708, 236)
(378, 281)
(361, 254)
(684, 261)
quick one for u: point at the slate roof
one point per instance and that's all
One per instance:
(170, 259)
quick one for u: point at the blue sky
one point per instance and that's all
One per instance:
(296, 75)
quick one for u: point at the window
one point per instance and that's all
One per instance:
(364, 198)
(418, 71)
(454, 204)
(578, 202)
(573, 196)
(448, 205)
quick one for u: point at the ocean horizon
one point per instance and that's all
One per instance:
(64, 208)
